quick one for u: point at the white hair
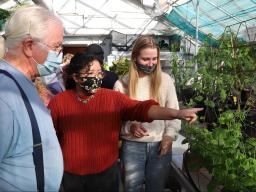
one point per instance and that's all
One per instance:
(29, 21)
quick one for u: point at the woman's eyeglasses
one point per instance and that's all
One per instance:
(92, 74)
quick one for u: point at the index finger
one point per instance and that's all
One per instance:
(195, 110)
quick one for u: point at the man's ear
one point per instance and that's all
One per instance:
(27, 45)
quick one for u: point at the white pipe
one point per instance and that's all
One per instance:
(197, 17)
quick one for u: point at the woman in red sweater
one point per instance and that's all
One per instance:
(88, 119)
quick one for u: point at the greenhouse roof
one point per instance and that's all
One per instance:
(159, 17)
(215, 17)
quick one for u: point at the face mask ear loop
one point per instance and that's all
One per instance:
(35, 60)
(61, 69)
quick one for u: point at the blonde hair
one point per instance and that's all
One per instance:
(43, 92)
(67, 57)
(144, 42)
(28, 21)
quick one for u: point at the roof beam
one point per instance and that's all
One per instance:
(223, 11)
(41, 3)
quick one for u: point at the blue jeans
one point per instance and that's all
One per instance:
(142, 163)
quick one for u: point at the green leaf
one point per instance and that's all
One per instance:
(184, 141)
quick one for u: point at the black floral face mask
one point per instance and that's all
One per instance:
(90, 84)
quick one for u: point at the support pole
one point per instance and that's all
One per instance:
(197, 16)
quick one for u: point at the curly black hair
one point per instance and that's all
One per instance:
(77, 63)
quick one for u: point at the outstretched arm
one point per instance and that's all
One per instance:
(163, 113)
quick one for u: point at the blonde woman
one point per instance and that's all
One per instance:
(146, 148)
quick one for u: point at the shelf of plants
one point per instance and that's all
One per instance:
(224, 139)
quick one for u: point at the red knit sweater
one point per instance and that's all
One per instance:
(89, 133)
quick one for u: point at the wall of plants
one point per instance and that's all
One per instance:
(224, 139)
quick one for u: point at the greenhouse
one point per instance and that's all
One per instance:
(128, 95)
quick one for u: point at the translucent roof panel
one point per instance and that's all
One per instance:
(99, 17)
(216, 16)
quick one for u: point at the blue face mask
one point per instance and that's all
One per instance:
(51, 64)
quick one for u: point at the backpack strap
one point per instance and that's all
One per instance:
(37, 143)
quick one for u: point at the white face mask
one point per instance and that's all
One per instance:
(51, 64)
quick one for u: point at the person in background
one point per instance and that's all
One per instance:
(146, 147)
(66, 59)
(87, 120)
(43, 92)
(110, 77)
(54, 81)
(30, 154)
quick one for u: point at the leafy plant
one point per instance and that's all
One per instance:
(223, 86)
(181, 70)
(226, 72)
(4, 14)
(227, 156)
(175, 41)
(163, 45)
(120, 66)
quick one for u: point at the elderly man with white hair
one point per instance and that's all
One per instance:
(30, 155)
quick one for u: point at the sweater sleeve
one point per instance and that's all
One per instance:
(172, 127)
(134, 110)
(119, 87)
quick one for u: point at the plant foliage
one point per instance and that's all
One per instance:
(120, 66)
(224, 86)
(226, 154)
(4, 14)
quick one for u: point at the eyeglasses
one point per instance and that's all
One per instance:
(57, 48)
(92, 74)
